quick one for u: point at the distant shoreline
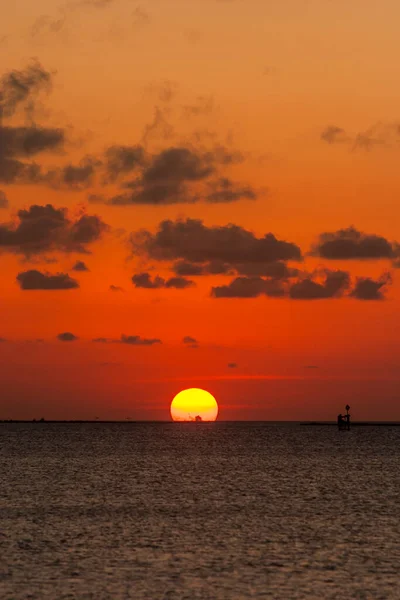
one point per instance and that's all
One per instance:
(132, 422)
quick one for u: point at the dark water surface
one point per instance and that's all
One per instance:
(221, 510)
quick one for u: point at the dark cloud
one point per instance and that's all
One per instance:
(18, 172)
(215, 267)
(353, 244)
(67, 336)
(190, 342)
(225, 190)
(80, 266)
(130, 340)
(45, 24)
(137, 340)
(25, 142)
(35, 280)
(163, 180)
(168, 177)
(144, 280)
(218, 267)
(20, 88)
(74, 177)
(378, 135)
(179, 283)
(42, 229)
(122, 160)
(86, 230)
(190, 240)
(3, 200)
(335, 283)
(185, 268)
(334, 135)
(232, 365)
(29, 141)
(371, 289)
(276, 270)
(249, 287)
(115, 288)
(322, 284)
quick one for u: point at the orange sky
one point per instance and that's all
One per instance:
(292, 105)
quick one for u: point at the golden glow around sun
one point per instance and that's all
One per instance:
(194, 405)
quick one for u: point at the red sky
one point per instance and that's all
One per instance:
(227, 173)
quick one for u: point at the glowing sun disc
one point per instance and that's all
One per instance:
(194, 404)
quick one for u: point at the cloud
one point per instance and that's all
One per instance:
(17, 172)
(80, 266)
(25, 142)
(186, 268)
(379, 134)
(137, 340)
(190, 240)
(42, 229)
(46, 24)
(190, 341)
(29, 140)
(122, 160)
(371, 289)
(179, 283)
(334, 135)
(214, 267)
(225, 190)
(320, 285)
(143, 280)
(163, 180)
(350, 243)
(203, 106)
(232, 365)
(334, 284)
(73, 177)
(130, 340)
(275, 270)
(21, 88)
(35, 280)
(249, 287)
(168, 178)
(67, 337)
(115, 288)
(3, 200)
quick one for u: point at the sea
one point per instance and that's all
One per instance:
(199, 511)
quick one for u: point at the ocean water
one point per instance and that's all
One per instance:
(209, 511)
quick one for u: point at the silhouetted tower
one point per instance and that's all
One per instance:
(347, 407)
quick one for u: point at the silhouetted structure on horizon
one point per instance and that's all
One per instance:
(343, 421)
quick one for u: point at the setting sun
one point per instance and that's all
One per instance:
(194, 405)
